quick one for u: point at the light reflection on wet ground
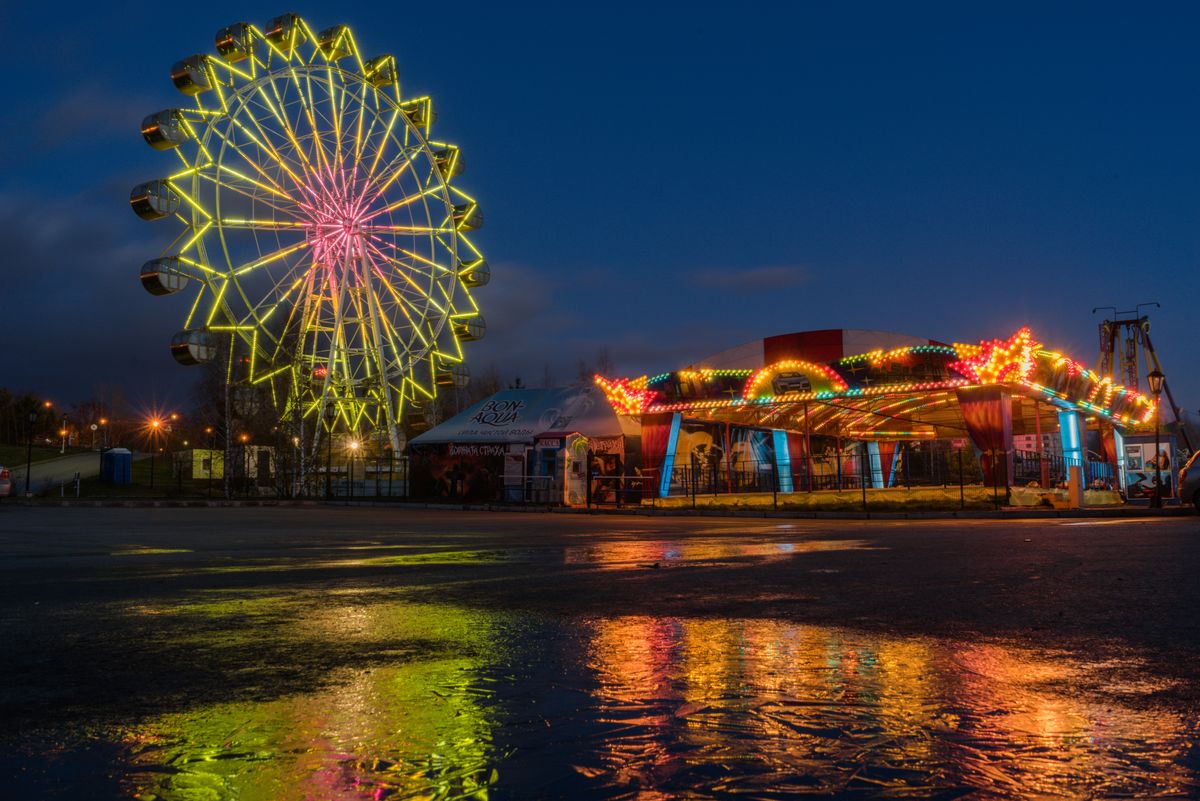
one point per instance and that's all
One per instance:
(521, 706)
(621, 555)
(536, 658)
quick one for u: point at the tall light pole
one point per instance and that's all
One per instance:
(155, 424)
(62, 432)
(245, 460)
(211, 459)
(350, 472)
(1156, 379)
(296, 471)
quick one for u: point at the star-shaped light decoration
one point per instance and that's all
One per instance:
(998, 361)
(626, 395)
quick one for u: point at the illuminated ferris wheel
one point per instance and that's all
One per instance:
(321, 234)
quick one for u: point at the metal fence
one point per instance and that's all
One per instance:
(1050, 470)
(925, 464)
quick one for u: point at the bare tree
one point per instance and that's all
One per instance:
(602, 365)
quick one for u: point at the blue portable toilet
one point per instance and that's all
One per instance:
(116, 466)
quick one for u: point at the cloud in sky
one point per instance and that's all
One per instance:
(754, 279)
(74, 312)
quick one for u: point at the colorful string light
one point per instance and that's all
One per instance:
(626, 395)
(1018, 361)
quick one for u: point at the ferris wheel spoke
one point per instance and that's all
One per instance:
(383, 319)
(335, 116)
(241, 223)
(274, 187)
(404, 274)
(262, 312)
(406, 157)
(256, 198)
(400, 301)
(399, 204)
(263, 142)
(385, 137)
(304, 93)
(283, 121)
(413, 261)
(405, 229)
(275, 255)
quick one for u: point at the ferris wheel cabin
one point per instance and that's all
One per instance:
(194, 346)
(163, 276)
(154, 200)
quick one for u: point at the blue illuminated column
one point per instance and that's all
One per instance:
(1119, 444)
(783, 460)
(875, 464)
(1071, 429)
(664, 482)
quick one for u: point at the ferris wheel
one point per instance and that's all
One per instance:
(321, 234)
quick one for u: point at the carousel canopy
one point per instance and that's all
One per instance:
(913, 390)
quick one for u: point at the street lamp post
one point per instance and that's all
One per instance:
(350, 471)
(1156, 379)
(177, 464)
(62, 432)
(211, 459)
(154, 426)
(297, 473)
(245, 460)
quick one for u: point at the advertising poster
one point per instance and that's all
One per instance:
(1140, 462)
(467, 472)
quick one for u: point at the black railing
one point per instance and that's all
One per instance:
(1051, 470)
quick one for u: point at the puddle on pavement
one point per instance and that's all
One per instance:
(622, 555)
(517, 706)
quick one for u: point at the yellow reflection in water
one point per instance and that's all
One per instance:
(418, 726)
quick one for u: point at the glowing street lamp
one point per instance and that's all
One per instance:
(155, 426)
(245, 438)
(354, 444)
(1156, 379)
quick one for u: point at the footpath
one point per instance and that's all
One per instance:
(53, 472)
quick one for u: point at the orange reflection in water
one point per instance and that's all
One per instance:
(625, 554)
(762, 705)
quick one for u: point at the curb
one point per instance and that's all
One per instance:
(1009, 513)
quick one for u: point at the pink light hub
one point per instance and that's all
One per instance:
(334, 213)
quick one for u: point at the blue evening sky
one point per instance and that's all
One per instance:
(665, 181)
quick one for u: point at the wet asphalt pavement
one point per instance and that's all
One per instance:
(357, 653)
